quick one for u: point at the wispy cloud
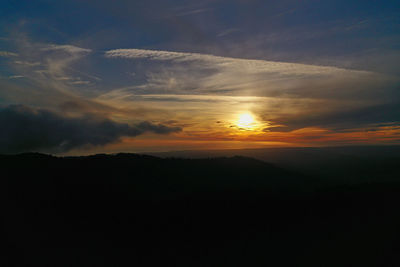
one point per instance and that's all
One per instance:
(196, 73)
(7, 54)
(284, 95)
(253, 65)
(227, 32)
(71, 49)
(15, 76)
(194, 11)
(27, 63)
(51, 65)
(198, 90)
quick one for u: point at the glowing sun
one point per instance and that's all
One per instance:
(246, 120)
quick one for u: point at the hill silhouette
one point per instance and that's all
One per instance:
(339, 165)
(129, 209)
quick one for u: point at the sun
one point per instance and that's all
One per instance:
(246, 121)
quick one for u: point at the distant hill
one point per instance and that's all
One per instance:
(138, 210)
(151, 173)
(337, 165)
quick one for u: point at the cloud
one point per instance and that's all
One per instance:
(146, 126)
(342, 120)
(80, 82)
(27, 129)
(286, 96)
(198, 89)
(195, 73)
(52, 66)
(59, 58)
(7, 54)
(195, 11)
(253, 65)
(27, 63)
(15, 76)
(227, 32)
(71, 49)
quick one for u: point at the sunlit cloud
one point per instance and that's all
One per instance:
(301, 79)
(251, 65)
(285, 96)
(197, 73)
(206, 95)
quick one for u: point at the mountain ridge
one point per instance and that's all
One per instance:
(129, 209)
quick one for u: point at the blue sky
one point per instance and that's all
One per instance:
(268, 29)
(309, 72)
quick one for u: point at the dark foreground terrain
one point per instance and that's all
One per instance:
(132, 210)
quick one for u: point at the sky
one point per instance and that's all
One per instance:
(83, 77)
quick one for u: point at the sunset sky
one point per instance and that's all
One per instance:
(82, 77)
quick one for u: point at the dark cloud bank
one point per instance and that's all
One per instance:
(337, 120)
(26, 129)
